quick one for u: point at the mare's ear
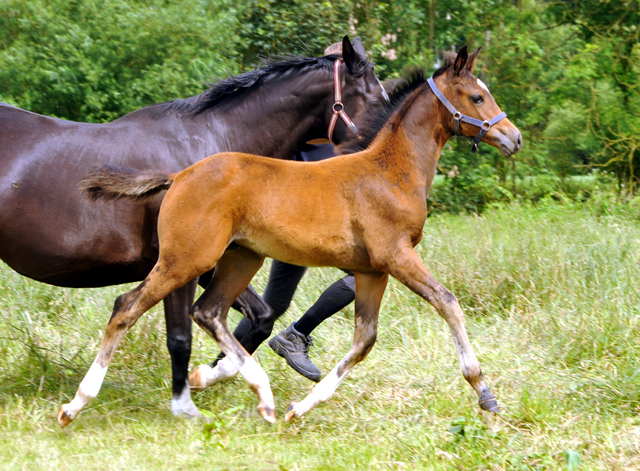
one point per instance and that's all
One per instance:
(353, 58)
(461, 60)
(471, 61)
(359, 48)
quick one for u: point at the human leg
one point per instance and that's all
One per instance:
(293, 343)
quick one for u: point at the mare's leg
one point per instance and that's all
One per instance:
(407, 267)
(369, 290)
(127, 309)
(234, 271)
(176, 311)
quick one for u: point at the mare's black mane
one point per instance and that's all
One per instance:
(231, 88)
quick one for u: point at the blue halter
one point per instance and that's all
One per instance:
(457, 117)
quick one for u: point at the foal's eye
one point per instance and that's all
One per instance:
(477, 99)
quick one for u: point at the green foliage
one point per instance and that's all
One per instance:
(567, 73)
(91, 60)
(269, 27)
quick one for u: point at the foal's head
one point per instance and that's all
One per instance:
(471, 97)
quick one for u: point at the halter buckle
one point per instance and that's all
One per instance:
(486, 125)
(339, 105)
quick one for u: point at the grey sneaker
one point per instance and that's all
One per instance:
(294, 347)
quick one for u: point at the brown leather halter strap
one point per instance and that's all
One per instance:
(338, 107)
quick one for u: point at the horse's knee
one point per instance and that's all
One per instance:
(179, 345)
(123, 304)
(201, 317)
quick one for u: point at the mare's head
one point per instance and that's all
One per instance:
(361, 88)
(472, 98)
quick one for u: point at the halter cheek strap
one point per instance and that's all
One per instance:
(457, 117)
(338, 108)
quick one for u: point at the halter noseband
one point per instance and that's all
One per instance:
(457, 117)
(338, 108)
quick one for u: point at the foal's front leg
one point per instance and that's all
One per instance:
(407, 267)
(369, 290)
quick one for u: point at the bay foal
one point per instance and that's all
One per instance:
(363, 211)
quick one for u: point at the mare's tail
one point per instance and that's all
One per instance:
(111, 182)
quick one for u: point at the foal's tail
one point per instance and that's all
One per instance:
(111, 182)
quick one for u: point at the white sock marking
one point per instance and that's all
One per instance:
(88, 389)
(183, 405)
(320, 393)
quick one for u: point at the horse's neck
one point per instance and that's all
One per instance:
(274, 119)
(414, 143)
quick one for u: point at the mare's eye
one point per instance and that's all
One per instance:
(477, 99)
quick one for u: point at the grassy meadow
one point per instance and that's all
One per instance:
(552, 301)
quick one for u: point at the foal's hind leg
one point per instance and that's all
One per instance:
(261, 315)
(369, 290)
(234, 271)
(176, 311)
(127, 309)
(407, 267)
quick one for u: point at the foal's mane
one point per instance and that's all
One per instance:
(376, 120)
(231, 89)
(415, 79)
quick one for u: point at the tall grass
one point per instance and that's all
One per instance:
(552, 301)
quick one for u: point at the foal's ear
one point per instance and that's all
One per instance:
(461, 60)
(471, 61)
(353, 55)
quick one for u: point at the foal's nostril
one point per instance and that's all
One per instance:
(519, 141)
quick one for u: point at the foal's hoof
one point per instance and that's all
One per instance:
(198, 378)
(63, 418)
(204, 376)
(291, 413)
(490, 405)
(268, 414)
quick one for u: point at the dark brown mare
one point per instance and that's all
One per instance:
(50, 233)
(363, 211)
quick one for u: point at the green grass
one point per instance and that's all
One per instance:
(552, 300)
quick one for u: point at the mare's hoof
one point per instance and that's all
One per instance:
(185, 409)
(490, 405)
(63, 418)
(268, 414)
(291, 413)
(198, 378)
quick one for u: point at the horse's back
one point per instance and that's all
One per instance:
(47, 230)
(290, 211)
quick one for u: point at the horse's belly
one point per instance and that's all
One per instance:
(309, 249)
(67, 245)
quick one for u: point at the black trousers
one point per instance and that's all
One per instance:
(283, 281)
